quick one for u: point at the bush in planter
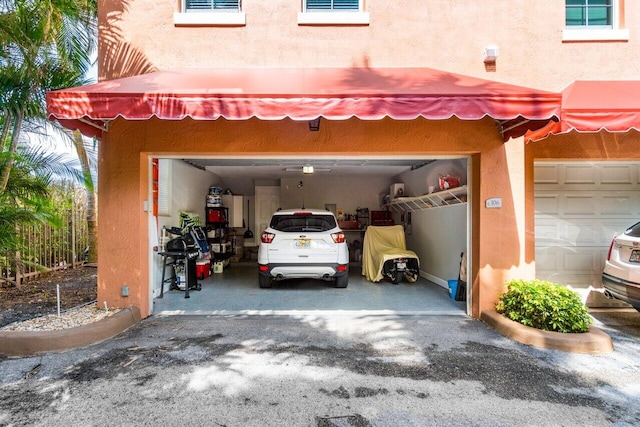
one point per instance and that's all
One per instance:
(544, 305)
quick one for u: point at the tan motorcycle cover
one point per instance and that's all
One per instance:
(382, 244)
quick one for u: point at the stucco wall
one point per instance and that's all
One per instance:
(139, 35)
(123, 250)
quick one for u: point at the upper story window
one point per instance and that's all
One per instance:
(333, 12)
(337, 5)
(211, 5)
(589, 13)
(594, 20)
(210, 12)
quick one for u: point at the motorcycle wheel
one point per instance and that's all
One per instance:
(397, 277)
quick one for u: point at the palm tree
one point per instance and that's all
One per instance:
(44, 45)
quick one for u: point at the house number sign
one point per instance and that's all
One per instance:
(494, 203)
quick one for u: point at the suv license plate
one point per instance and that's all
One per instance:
(401, 265)
(303, 243)
(635, 256)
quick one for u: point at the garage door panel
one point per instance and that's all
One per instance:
(580, 174)
(547, 174)
(547, 204)
(579, 207)
(576, 232)
(600, 176)
(619, 204)
(570, 263)
(587, 204)
(546, 260)
(619, 174)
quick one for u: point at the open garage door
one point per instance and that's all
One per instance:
(579, 206)
(358, 190)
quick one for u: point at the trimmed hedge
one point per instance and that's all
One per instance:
(544, 305)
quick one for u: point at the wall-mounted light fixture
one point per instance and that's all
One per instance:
(307, 169)
(490, 54)
(314, 125)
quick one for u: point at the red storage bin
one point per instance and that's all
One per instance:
(215, 215)
(203, 269)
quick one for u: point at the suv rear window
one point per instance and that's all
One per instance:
(633, 231)
(295, 223)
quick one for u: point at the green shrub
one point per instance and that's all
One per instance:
(544, 305)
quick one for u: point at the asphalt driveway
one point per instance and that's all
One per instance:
(321, 370)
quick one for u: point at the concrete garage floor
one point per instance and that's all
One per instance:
(236, 291)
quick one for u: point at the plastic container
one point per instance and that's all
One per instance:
(453, 288)
(218, 267)
(203, 269)
(181, 281)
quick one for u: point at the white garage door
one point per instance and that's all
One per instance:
(579, 206)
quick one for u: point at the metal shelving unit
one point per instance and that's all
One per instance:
(452, 196)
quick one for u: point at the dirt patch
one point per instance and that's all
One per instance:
(37, 297)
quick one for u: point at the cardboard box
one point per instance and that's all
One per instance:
(396, 190)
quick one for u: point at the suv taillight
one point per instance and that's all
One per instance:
(338, 237)
(267, 237)
(613, 242)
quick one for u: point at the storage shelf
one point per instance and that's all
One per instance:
(452, 196)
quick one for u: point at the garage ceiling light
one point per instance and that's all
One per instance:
(307, 169)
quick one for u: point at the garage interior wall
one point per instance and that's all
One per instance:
(438, 235)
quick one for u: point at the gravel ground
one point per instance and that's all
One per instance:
(38, 297)
(69, 319)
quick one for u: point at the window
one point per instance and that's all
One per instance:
(594, 20)
(333, 12)
(589, 13)
(209, 5)
(210, 12)
(337, 5)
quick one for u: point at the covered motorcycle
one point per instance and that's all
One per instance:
(385, 255)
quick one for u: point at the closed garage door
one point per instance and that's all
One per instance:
(579, 206)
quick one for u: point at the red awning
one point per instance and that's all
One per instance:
(592, 106)
(300, 94)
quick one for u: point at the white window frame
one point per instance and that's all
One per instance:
(333, 17)
(213, 17)
(598, 33)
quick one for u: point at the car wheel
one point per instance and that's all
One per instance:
(265, 281)
(397, 277)
(342, 281)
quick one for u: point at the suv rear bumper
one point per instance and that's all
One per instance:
(622, 289)
(301, 271)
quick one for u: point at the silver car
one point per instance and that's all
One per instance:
(621, 275)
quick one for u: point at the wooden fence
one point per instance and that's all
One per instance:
(47, 248)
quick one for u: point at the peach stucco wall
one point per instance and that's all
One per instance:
(139, 35)
(123, 249)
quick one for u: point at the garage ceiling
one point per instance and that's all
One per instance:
(267, 168)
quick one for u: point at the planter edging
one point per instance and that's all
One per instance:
(594, 341)
(27, 343)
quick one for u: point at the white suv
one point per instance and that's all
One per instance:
(621, 275)
(303, 243)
